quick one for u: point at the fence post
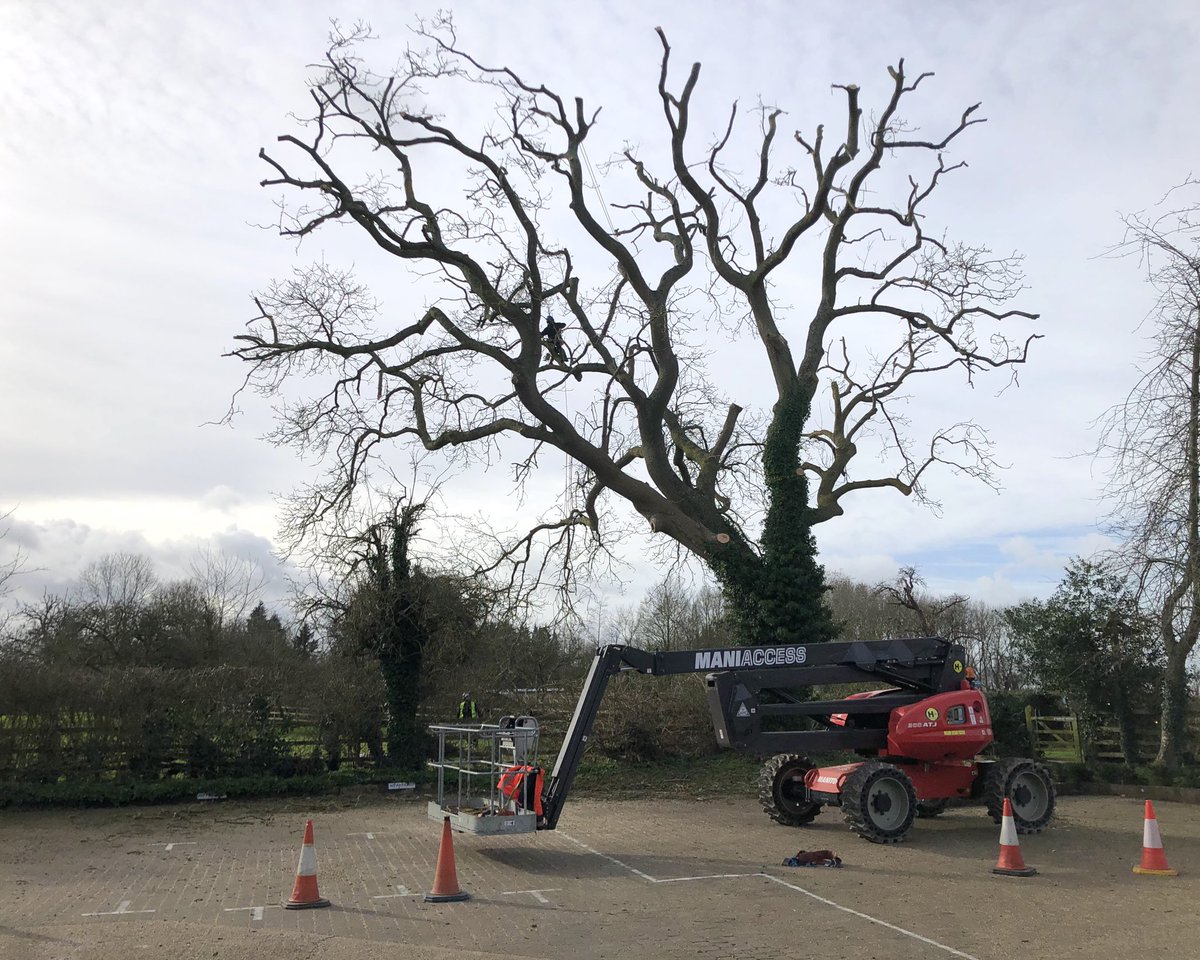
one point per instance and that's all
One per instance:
(1031, 726)
(1076, 738)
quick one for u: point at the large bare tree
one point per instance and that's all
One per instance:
(599, 325)
(1153, 442)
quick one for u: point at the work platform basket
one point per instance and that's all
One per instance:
(471, 761)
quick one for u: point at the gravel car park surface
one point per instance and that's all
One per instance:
(622, 879)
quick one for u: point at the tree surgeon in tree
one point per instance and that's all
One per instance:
(690, 254)
(556, 347)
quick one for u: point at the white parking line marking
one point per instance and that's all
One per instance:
(369, 836)
(536, 894)
(782, 883)
(711, 876)
(605, 856)
(178, 843)
(868, 917)
(402, 891)
(256, 913)
(122, 907)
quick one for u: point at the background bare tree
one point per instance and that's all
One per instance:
(107, 605)
(1151, 441)
(904, 607)
(907, 591)
(231, 586)
(687, 254)
(673, 617)
(11, 564)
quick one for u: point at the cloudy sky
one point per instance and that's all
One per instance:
(128, 141)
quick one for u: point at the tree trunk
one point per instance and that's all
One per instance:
(401, 673)
(779, 597)
(1126, 729)
(1179, 642)
(1172, 744)
(399, 633)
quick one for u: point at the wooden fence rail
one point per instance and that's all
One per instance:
(1062, 737)
(1055, 738)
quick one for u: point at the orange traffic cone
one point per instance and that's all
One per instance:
(304, 892)
(1154, 859)
(1010, 864)
(445, 878)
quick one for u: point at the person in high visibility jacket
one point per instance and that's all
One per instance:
(467, 709)
(516, 782)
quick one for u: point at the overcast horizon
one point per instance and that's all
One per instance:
(129, 155)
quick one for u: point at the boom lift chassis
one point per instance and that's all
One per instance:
(919, 737)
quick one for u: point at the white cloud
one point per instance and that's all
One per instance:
(58, 550)
(222, 498)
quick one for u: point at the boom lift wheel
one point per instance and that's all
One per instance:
(1028, 785)
(782, 792)
(879, 802)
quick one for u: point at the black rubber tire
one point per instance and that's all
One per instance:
(1028, 785)
(879, 802)
(782, 793)
(927, 809)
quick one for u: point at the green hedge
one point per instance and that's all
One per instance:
(114, 793)
(651, 719)
(151, 723)
(1008, 723)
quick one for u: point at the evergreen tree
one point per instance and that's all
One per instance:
(1091, 645)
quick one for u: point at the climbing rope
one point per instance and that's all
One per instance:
(595, 185)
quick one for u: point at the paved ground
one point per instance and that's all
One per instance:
(629, 879)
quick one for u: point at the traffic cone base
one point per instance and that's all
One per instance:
(1015, 871)
(1154, 858)
(447, 897)
(445, 880)
(305, 895)
(1011, 863)
(305, 904)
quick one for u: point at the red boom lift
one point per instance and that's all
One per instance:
(919, 738)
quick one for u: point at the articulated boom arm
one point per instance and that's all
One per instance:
(746, 684)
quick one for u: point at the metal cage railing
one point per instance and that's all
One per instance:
(471, 761)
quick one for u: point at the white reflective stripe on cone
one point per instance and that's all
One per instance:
(1008, 833)
(1150, 836)
(308, 862)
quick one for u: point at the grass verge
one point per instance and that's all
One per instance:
(723, 774)
(1079, 773)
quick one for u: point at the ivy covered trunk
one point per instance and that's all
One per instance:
(778, 596)
(1172, 743)
(401, 672)
(1126, 727)
(390, 617)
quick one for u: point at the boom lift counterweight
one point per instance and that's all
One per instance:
(919, 737)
